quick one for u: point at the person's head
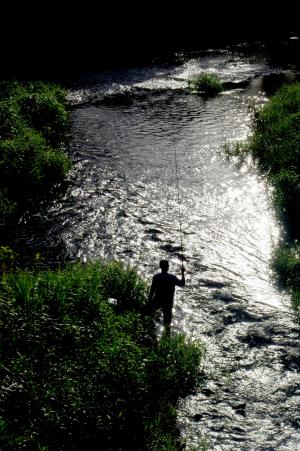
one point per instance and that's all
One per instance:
(164, 265)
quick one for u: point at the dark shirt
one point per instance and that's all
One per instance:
(163, 287)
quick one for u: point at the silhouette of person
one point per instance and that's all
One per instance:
(162, 293)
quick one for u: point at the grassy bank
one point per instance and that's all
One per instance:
(80, 365)
(82, 368)
(33, 125)
(275, 144)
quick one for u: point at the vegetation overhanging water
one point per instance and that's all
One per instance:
(123, 202)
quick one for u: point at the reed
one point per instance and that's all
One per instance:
(208, 84)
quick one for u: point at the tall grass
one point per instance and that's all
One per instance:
(287, 266)
(207, 84)
(79, 372)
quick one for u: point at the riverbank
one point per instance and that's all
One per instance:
(80, 366)
(79, 363)
(120, 204)
(33, 126)
(274, 144)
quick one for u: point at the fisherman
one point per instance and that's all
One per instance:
(162, 293)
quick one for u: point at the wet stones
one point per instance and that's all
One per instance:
(197, 417)
(284, 331)
(256, 337)
(154, 234)
(291, 359)
(170, 248)
(224, 296)
(207, 391)
(241, 315)
(212, 283)
(239, 407)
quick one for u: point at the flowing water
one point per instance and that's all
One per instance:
(122, 203)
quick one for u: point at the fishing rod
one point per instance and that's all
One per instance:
(179, 204)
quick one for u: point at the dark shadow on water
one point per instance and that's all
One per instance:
(272, 82)
(33, 240)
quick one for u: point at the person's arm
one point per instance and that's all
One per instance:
(180, 282)
(182, 276)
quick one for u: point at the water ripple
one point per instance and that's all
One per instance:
(122, 203)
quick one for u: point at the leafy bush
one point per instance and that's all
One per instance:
(42, 111)
(7, 259)
(79, 372)
(33, 119)
(208, 84)
(296, 303)
(11, 122)
(287, 194)
(8, 209)
(276, 139)
(275, 143)
(27, 164)
(37, 105)
(287, 265)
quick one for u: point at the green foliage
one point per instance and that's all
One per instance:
(287, 193)
(28, 164)
(124, 286)
(8, 209)
(287, 265)
(208, 84)
(7, 259)
(35, 105)
(237, 149)
(175, 366)
(11, 122)
(275, 143)
(42, 109)
(276, 138)
(78, 371)
(296, 303)
(33, 119)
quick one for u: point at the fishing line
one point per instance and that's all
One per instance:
(179, 206)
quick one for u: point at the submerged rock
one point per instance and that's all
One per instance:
(256, 337)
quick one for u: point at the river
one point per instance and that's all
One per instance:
(121, 203)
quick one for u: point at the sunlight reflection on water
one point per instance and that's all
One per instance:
(122, 203)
